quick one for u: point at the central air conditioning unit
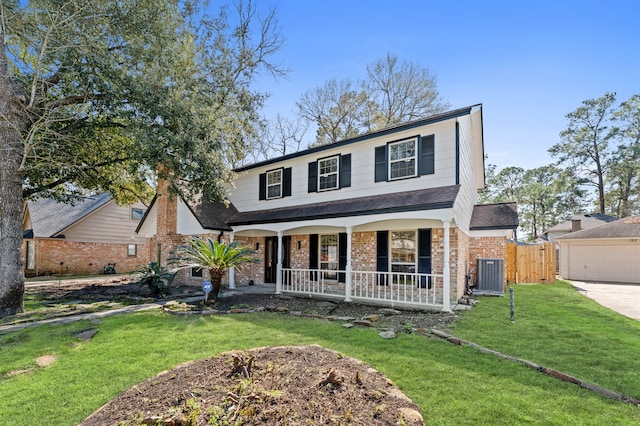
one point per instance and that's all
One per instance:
(490, 277)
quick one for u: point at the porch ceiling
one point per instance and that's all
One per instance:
(423, 199)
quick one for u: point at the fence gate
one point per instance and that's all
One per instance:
(531, 264)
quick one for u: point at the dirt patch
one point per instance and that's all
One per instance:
(301, 385)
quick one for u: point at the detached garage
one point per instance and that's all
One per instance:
(606, 253)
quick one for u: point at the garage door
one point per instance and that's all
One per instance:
(604, 262)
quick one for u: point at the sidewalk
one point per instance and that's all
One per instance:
(255, 289)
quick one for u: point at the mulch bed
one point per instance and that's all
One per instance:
(301, 385)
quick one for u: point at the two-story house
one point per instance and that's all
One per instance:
(387, 217)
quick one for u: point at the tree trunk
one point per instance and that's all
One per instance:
(12, 104)
(216, 282)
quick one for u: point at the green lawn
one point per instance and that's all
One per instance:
(452, 384)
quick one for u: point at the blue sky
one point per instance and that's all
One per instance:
(528, 62)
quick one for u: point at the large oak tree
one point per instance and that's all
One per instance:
(98, 95)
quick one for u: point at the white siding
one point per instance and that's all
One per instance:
(468, 194)
(187, 223)
(245, 194)
(108, 224)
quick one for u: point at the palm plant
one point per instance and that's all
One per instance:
(215, 256)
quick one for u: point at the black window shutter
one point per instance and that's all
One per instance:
(286, 182)
(313, 255)
(424, 255)
(262, 190)
(382, 254)
(345, 171)
(381, 163)
(426, 153)
(342, 256)
(313, 177)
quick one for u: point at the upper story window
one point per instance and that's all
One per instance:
(405, 158)
(136, 214)
(402, 159)
(274, 184)
(328, 173)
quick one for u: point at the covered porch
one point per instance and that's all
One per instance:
(340, 258)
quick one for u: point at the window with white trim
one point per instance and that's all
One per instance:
(403, 250)
(274, 184)
(136, 213)
(329, 256)
(132, 249)
(328, 173)
(402, 159)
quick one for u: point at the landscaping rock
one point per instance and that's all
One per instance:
(363, 323)
(86, 335)
(389, 311)
(388, 334)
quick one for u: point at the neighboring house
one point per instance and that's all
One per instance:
(387, 217)
(83, 237)
(607, 253)
(578, 222)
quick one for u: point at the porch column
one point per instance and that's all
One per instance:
(446, 273)
(232, 271)
(279, 265)
(348, 268)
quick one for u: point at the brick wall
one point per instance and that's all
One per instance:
(437, 260)
(58, 256)
(488, 248)
(363, 251)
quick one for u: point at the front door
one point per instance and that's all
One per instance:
(270, 259)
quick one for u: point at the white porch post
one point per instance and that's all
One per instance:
(348, 268)
(232, 271)
(446, 273)
(279, 265)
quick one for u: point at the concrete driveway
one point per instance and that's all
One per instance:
(622, 298)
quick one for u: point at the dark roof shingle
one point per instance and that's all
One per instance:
(50, 217)
(629, 227)
(423, 199)
(494, 216)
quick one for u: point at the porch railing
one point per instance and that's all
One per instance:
(384, 288)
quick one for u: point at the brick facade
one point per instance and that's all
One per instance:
(56, 256)
(488, 248)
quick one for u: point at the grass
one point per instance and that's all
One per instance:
(451, 384)
(557, 327)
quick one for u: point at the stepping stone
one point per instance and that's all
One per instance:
(87, 334)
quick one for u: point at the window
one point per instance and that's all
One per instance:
(196, 272)
(132, 250)
(402, 159)
(329, 256)
(31, 254)
(328, 173)
(136, 214)
(274, 184)
(403, 251)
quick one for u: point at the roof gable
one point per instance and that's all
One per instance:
(49, 217)
(586, 221)
(629, 227)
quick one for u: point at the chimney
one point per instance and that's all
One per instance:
(576, 225)
(166, 237)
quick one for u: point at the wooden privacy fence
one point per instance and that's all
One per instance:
(531, 264)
